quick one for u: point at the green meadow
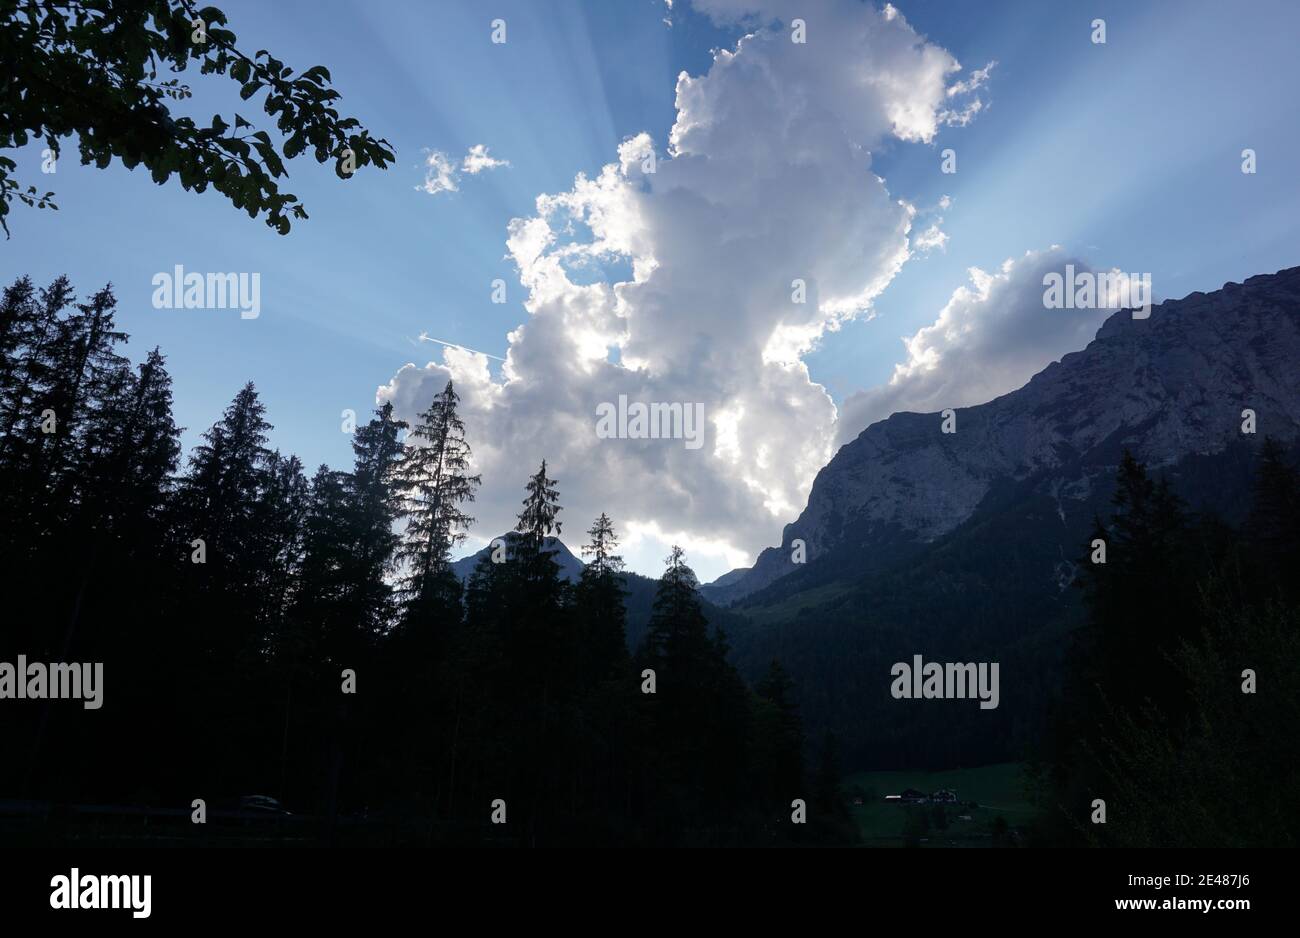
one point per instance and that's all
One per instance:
(1000, 792)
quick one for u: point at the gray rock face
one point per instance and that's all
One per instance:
(1165, 387)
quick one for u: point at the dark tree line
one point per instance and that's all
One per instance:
(1183, 698)
(235, 601)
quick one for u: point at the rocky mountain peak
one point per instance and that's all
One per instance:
(1167, 386)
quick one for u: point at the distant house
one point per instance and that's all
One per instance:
(944, 796)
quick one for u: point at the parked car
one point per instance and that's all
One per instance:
(261, 803)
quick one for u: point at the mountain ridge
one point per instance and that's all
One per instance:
(1166, 387)
(571, 565)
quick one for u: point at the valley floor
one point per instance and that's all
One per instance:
(999, 791)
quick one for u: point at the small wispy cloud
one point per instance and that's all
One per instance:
(931, 238)
(439, 174)
(961, 116)
(977, 78)
(442, 172)
(477, 160)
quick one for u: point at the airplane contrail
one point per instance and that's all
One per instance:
(425, 337)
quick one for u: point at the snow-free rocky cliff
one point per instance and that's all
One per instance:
(1165, 387)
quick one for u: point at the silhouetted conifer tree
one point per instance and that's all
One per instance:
(435, 482)
(601, 612)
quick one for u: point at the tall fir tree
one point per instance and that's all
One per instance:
(375, 507)
(678, 637)
(279, 522)
(128, 454)
(700, 716)
(218, 508)
(538, 521)
(34, 328)
(600, 596)
(20, 329)
(435, 482)
(540, 646)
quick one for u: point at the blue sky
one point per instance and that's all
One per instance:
(1126, 154)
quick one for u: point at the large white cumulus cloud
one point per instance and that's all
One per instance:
(766, 178)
